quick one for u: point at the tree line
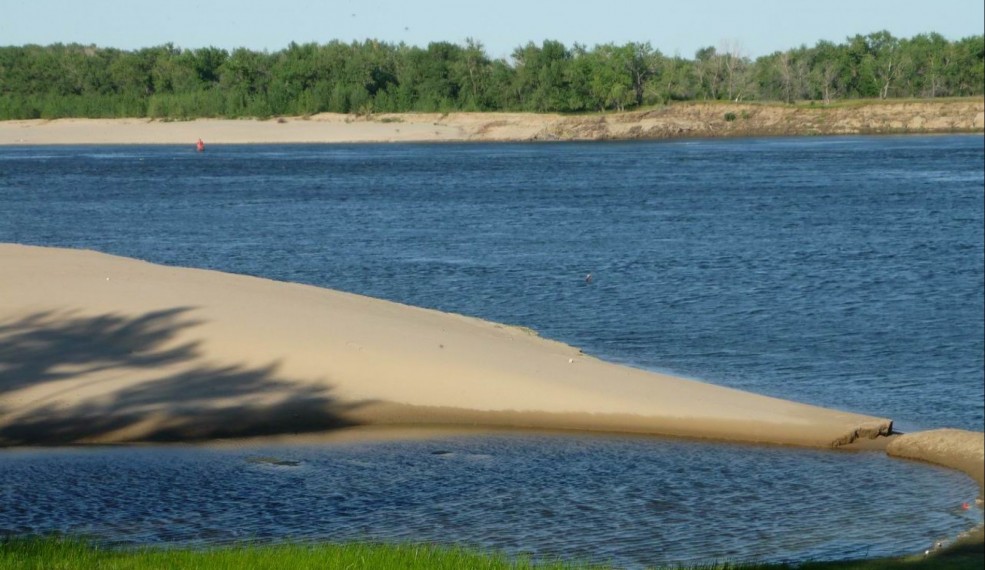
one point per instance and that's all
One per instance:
(168, 82)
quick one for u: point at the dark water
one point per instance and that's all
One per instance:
(842, 272)
(628, 501)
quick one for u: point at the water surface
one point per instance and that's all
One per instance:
(841, 272)
(628, 501)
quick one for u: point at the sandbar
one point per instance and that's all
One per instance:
(97, 348)
(100, 348)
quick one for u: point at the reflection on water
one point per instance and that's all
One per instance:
(629, 501)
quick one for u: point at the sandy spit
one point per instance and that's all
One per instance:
(96, 348)
(958, 449)
(99, 348)
(683, 120)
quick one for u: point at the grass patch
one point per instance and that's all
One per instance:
(54, 553)
(69, 554)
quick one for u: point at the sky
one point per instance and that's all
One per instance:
(679, 27)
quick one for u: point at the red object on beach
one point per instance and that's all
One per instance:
(200, 146)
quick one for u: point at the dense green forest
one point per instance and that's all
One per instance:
(371, 77)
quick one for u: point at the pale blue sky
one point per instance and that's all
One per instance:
(758, 27)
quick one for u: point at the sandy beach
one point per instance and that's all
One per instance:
(103, 348)
(684, 120)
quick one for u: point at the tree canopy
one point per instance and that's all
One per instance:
(363, 77)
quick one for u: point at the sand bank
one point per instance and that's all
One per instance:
(685, 120)
(98, 348)
(958, 449)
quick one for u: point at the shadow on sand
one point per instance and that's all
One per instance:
(121, 378)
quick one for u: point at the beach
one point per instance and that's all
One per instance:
(110, 349)
(103, 349)
(682, 120)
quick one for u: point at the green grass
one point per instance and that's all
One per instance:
(66, 554)
(54, 553)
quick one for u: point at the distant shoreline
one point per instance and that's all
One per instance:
(676, 121)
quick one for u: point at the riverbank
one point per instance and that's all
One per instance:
(679, 120)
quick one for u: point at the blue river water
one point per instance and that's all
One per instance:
(631, 502)
(841, 272)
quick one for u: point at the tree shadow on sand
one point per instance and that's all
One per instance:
(178, 394)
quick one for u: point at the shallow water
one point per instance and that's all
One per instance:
(628, 501)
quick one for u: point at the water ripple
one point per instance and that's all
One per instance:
(630, 501)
